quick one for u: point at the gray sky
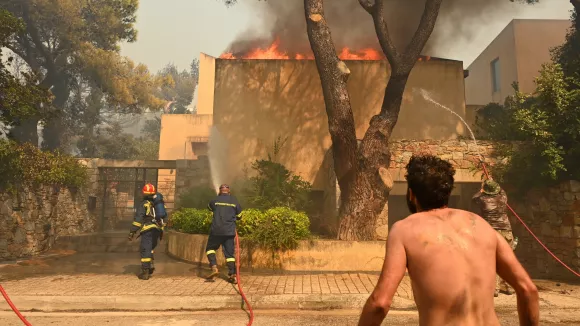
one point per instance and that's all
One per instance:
(178, 30)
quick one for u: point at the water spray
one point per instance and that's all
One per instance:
(427, 96)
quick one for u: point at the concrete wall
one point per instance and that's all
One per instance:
(522, 47)
(311, 256)
(257, 101)
(178, 131)
(478, 85)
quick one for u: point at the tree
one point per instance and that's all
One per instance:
(20, 96)
(362, 169)
(69, 42)
(179, 87)
(568, 54)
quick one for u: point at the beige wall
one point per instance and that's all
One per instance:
(205, 91)
(534, 39)
(257, 101)
(177, 133)
(478, 86)
(522, 47)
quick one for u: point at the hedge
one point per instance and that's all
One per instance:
(277, 228)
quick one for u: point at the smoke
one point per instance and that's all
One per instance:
(459, 21)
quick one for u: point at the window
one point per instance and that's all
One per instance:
(495, 76)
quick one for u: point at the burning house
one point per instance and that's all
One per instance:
(252, 100)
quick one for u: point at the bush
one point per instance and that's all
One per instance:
(26, 165)
(275, 229)
(281, 229)
(196, 197)
(192, 220)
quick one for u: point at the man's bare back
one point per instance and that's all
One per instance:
(452, 257)
(451, 262)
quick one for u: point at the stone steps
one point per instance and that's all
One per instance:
(101, 242)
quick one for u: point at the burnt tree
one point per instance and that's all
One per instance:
(362, 169)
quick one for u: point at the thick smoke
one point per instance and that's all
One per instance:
(352, 27)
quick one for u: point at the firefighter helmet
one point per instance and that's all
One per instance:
(148, 189)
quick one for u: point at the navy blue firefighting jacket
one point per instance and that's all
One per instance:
(226, 210)
(144, 218)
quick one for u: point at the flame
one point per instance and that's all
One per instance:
(274, 52)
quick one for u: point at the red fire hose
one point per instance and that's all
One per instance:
(530, 231)
(240, 280)
(5, 295)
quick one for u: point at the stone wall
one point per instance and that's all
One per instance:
(31, 220)
(553, 214)
(463, 154)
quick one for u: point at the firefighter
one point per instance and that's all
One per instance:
(491, 204)
(150, 230)
(226, 211)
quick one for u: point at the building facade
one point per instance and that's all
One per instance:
(515, 55)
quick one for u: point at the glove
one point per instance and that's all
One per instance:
(131, 234)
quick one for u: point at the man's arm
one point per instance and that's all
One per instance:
(379, 303)
(137, 221)
(211, 205)
(238, 209)
(510, 269)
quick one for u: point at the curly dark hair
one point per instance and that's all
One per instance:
(431, 180)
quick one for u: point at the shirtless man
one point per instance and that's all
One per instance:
(452, 257)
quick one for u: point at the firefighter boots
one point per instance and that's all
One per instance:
(214, 273)
(233, 279)
(145, 273)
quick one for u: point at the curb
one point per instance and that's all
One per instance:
(195, 303)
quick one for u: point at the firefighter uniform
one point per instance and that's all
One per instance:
(150, 231)
(226, 211)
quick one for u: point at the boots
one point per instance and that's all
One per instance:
(145, 273)
(233, 279)
(214, 273)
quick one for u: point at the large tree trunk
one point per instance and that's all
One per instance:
(54, 128)
(362, 171)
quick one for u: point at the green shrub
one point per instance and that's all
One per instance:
(26, 165)
(192, 220)
(196, 197)
(275, 229)
(251, 219)
(281, 229)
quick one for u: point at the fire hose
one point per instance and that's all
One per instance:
(5, 295)
(240, 280)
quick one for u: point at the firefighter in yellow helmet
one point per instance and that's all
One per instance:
(151, 227)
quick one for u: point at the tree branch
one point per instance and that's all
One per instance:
(423, 32)
(376, 11)
(333, 76)
(576, 4)
(38, 44)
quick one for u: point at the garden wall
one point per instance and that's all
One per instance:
(32, 220)
(553, 214)
(312, 255)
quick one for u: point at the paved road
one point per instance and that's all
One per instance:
(264, 318)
